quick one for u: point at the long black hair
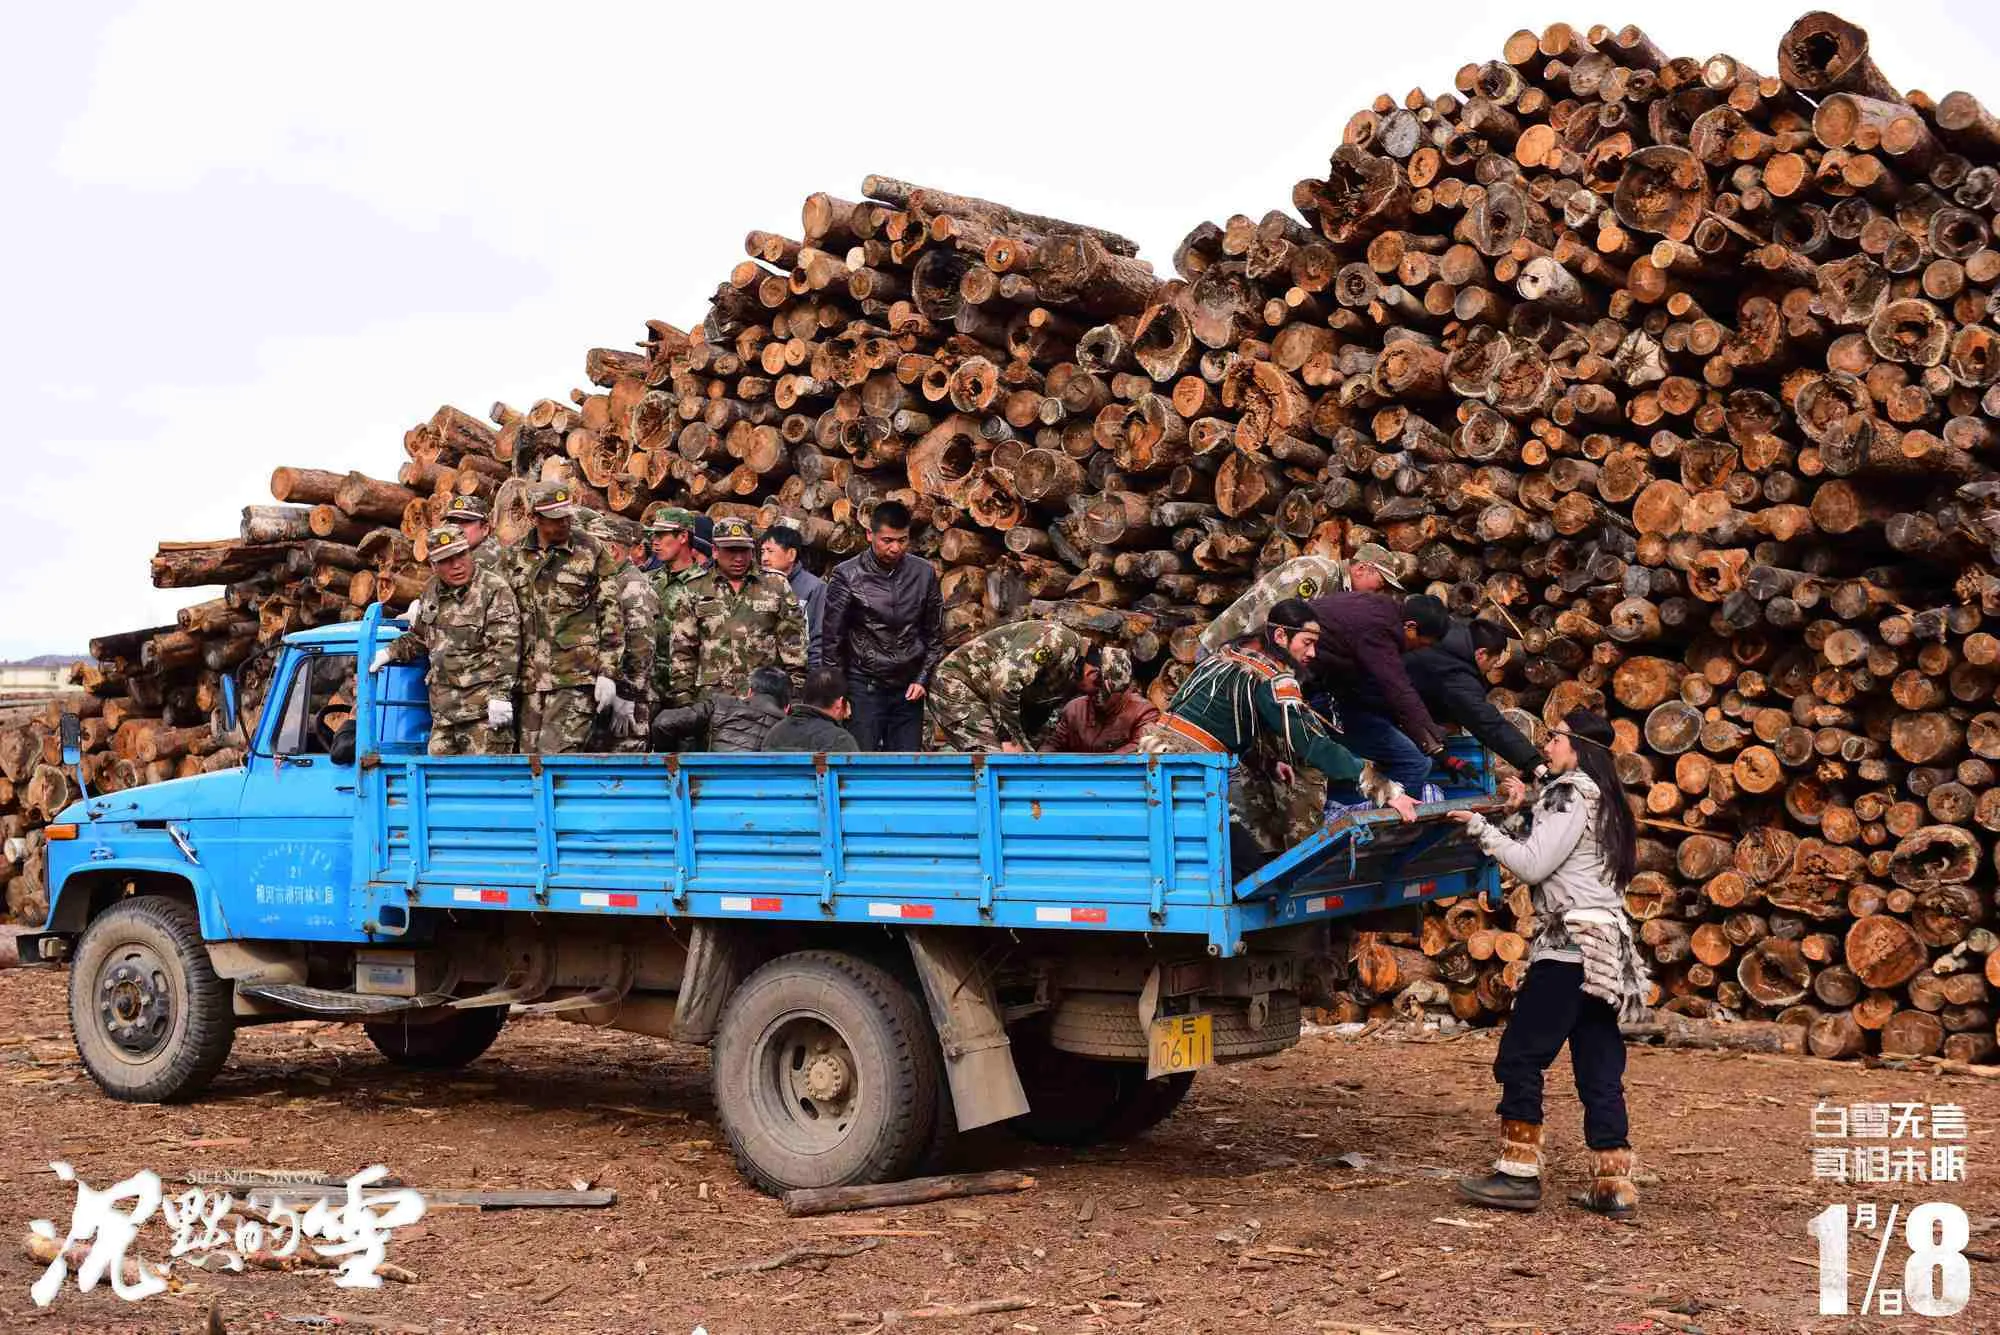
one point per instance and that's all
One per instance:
(1617, 833)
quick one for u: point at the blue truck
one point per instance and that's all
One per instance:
(881, 949)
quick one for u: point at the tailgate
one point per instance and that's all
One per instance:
(1374, 859)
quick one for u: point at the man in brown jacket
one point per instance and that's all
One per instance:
(1108, 715)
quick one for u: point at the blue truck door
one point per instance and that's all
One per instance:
(294, 844)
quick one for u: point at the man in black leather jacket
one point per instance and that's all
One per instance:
(884, 631)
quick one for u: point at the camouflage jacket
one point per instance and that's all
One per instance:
(1300, 577)
(493, 554)
(639, 608)
(472, 636)
(1024, 672)
(571, 628)
(719, 635)
(669, 590)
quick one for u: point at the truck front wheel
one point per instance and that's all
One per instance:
(153, 1023)
(444, 1044)
(822, 1077)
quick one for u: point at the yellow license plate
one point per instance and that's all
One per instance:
(1180, 1043)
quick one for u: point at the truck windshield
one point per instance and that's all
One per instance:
(318, 703)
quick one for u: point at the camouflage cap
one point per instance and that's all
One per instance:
(555, 500)
(669, 519)
(444, 543)
(733, 533)
(1115, 665)
(462, 508)
(1384, 560)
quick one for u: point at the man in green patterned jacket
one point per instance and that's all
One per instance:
(469, 627)
(731, 620)
(573, 636)
(1247, 695)
(1001, 690)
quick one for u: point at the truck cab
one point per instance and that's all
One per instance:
(883, 949)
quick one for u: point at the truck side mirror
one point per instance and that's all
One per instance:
(229, 701)
(72, 740)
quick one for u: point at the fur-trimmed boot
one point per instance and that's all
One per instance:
(1611, 1191)
(1516, 1180)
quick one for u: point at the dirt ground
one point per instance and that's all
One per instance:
(1240, 1213)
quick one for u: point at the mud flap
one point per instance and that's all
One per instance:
(978, 1060)
(714, 967)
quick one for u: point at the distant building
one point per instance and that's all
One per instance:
(34, 680)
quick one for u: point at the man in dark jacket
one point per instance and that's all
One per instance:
(727, 722)
(1363, 637)
(1450, 676)
(814, 723)
(884, 632)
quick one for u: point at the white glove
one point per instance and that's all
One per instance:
(379, 661)
(606, 692)
(499, 712)
(625, 719)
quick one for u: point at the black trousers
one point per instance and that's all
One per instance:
(1551, 1009)
(883, 720)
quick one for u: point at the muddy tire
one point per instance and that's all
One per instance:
(153, 1023)
(826, 1074)
(458, 1039)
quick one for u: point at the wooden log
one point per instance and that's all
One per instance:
(915, 1191)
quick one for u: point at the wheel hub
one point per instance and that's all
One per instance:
(135, 1002)
(827, 1078)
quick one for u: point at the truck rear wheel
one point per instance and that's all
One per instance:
(1076, 1101)
(822, 1074)
(445, 1044)
(153, 1023)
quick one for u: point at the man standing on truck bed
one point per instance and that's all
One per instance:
(671, 532)
(731, 620)
(639, 614)
(469, 625)
(572, 639)
(884, 631)
(1000, 691)
(1247, 692)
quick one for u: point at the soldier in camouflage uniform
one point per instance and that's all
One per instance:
(731, 620)
(572, 641)
(639, 611)
(670, 532)
(1372, 567)
(469, 626)
(1000, 691)
(468, 514)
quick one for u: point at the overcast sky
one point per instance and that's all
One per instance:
(239, 236)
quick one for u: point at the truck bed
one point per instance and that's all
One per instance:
(1111, 843)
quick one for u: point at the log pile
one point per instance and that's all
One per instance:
(1684, 372)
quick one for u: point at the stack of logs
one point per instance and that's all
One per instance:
(1682, 372)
